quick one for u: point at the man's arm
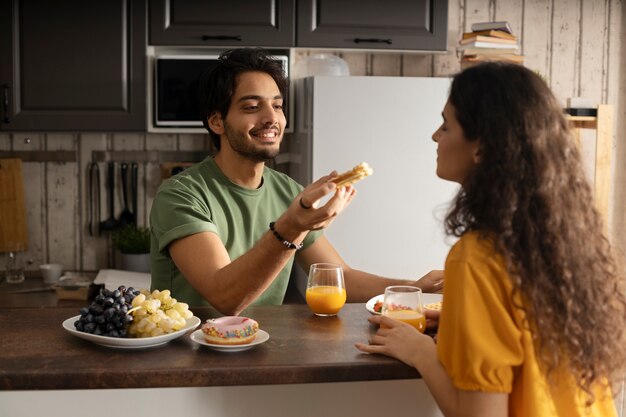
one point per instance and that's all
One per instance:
(230, 286)
(360, 285)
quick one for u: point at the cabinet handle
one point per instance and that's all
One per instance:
(373, 40)
(221, 38)
(5, 102)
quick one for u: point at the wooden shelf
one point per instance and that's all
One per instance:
(603, 125)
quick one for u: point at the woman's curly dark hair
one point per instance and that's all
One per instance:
(530, 192)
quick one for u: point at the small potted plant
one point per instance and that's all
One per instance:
(134, 245)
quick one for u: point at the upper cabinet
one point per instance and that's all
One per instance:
(222, 23)
(72, 65)
(379, 24)
(417, 25)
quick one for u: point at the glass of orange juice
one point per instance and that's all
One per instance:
(404, 303)
(325, 290)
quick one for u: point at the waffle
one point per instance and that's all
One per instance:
(355, 174)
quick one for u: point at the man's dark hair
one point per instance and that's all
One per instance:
(218, 85)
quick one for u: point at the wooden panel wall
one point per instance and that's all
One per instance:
(577, 46)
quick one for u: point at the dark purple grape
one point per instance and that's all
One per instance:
(108, 313)
(95, 309)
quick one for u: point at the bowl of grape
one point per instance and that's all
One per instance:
(129, 318)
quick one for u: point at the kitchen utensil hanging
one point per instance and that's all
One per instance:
(110, 223)
(126, 217)
(133, 189)
(94, 200)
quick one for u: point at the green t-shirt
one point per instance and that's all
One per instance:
(203, 199)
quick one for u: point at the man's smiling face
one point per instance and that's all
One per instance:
(255, 122)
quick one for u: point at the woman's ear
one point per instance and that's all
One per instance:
(477, 153)
(216, 123)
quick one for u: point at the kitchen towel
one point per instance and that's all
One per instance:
(13, 230)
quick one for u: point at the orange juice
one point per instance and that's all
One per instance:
(325, 299)
(411, 317)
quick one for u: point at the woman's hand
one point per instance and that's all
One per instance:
(401, 341)
(432, 281)
(405, 343)
(432, 319)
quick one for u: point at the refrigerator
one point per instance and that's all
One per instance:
(393, 227)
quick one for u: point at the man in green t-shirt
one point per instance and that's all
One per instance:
(225, 231)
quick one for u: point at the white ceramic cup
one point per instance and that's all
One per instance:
(51, 273)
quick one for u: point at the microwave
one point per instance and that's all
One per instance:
(176, 89)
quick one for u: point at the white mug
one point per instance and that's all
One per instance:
(51, 273)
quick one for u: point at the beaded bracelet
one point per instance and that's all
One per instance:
(288, 244)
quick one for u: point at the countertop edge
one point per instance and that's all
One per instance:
(168, 378)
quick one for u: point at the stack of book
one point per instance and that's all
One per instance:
(489, 41)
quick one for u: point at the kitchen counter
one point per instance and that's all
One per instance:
(33, 293)
(38, 354)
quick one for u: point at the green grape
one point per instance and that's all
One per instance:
(157, 313)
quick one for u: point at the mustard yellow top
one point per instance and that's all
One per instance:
(484, 344)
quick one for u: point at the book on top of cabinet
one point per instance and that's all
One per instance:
(518, 59)
(481, 38)
(488, 45)
(487, 51)
(491, 33)
(503, 26)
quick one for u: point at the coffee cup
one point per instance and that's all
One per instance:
(51, 272)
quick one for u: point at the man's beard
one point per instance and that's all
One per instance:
(240, 144)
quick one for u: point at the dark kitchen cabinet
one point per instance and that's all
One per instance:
(346, 24)
(377, 24)
(72, 65)
(222, 23)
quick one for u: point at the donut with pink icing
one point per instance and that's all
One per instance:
(230, 330)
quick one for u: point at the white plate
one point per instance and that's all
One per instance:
(129, 342)
(261, 337)
(427, 298)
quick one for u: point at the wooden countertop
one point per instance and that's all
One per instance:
(33, 292)
(37, 353)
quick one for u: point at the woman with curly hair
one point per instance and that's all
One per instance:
(534, 309)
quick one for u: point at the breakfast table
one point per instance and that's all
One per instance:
(307, 361)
